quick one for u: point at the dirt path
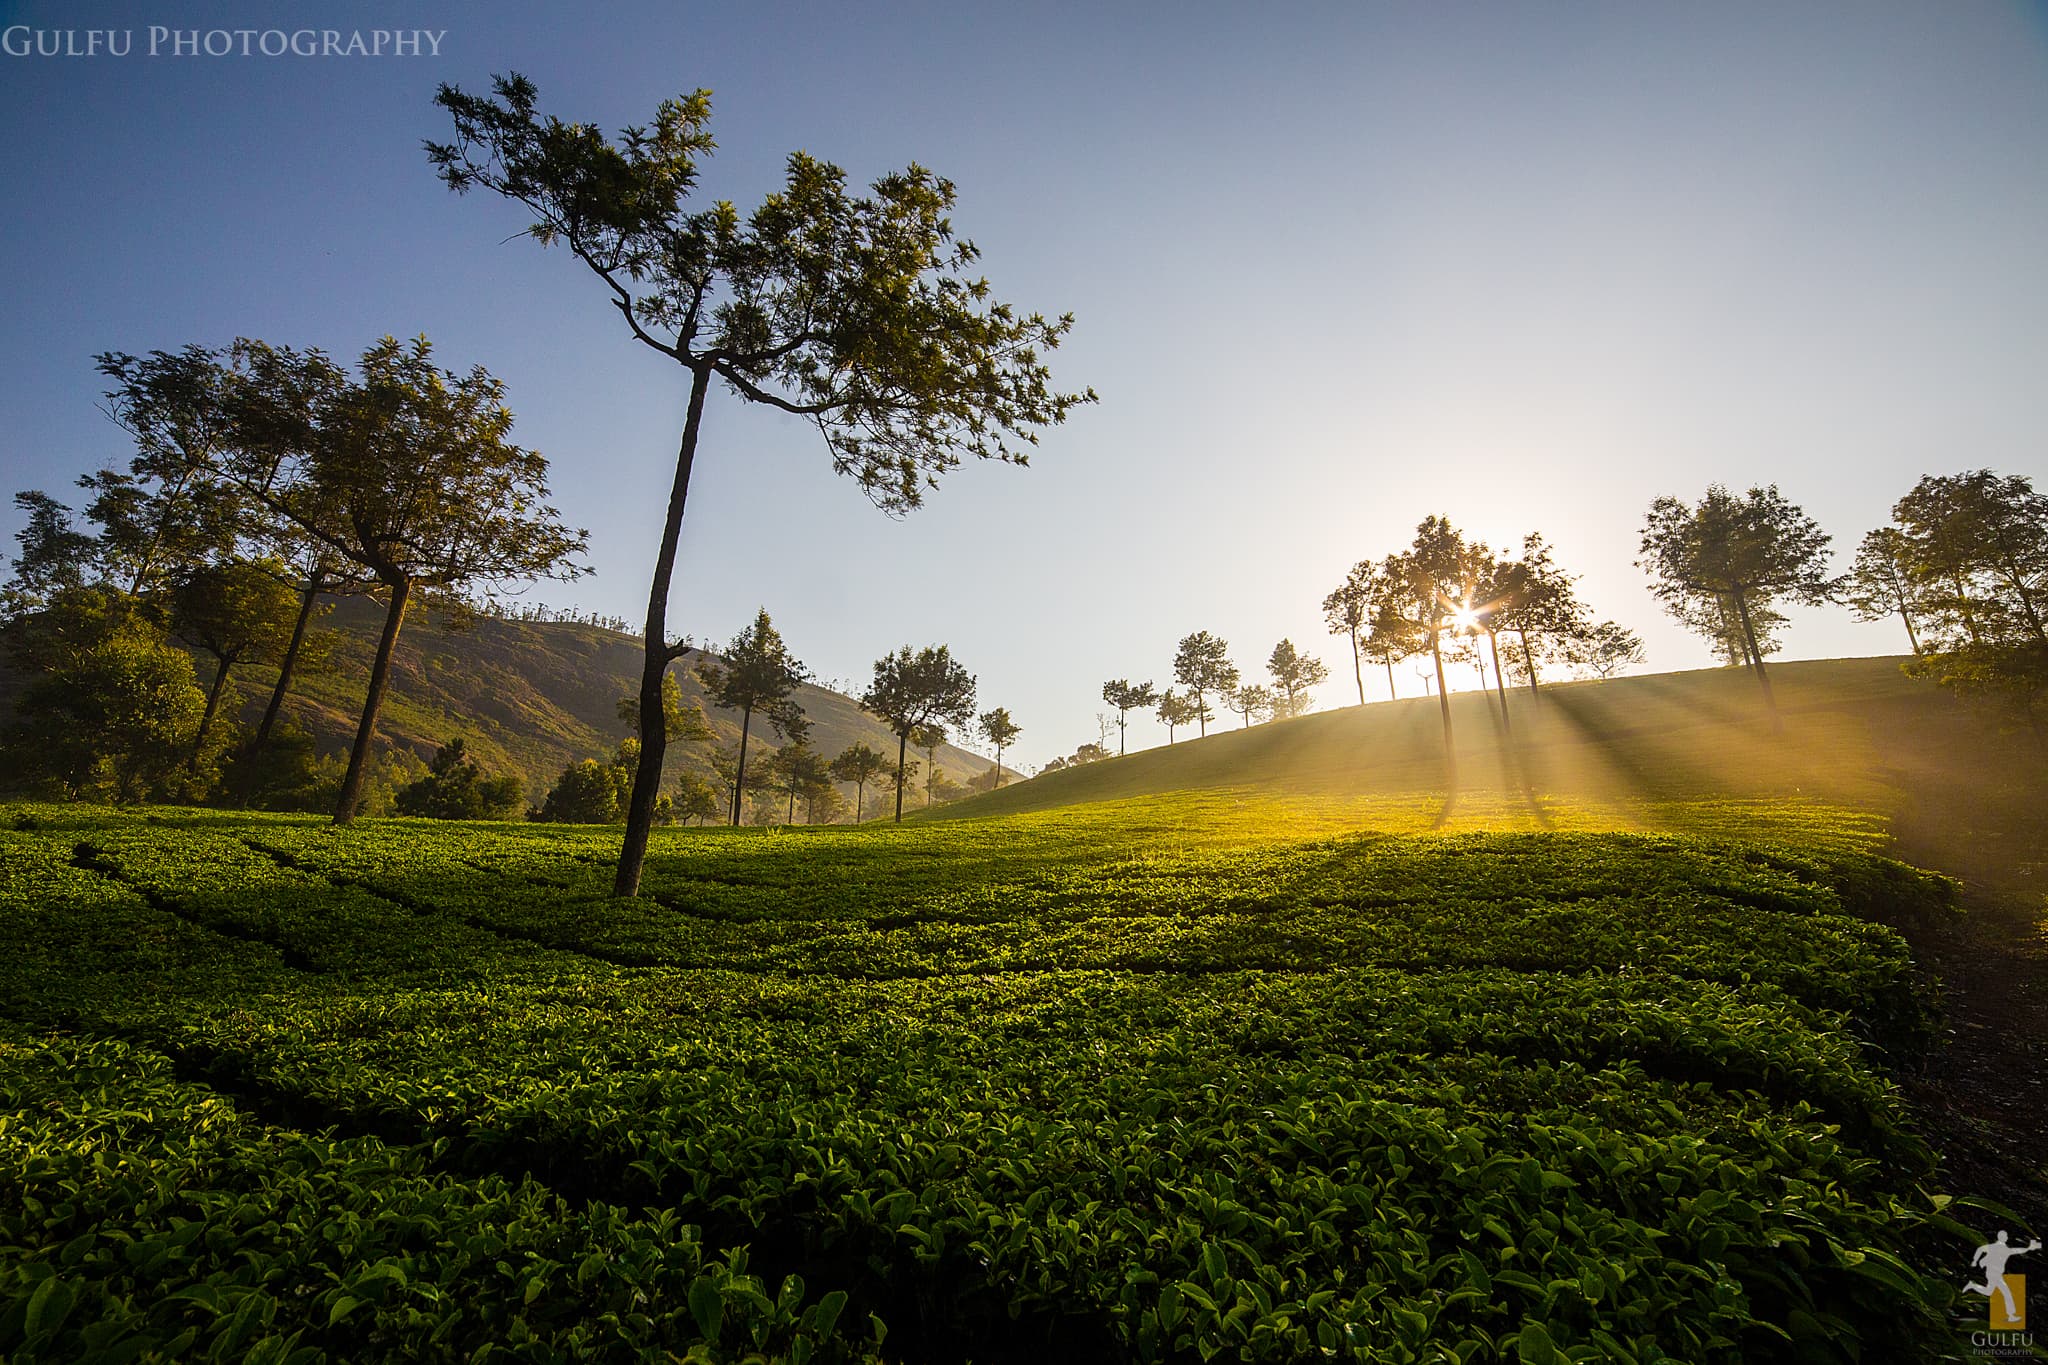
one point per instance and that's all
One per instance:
(1983, 1100)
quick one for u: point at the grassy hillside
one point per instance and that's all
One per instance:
(529, 696)
(1955, 791)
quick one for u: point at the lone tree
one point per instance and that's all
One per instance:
(407, 476)
(998, 729)
(1608, 648)
(1293, 674)
(758, 673)
(858, 312)
(918, 691)
(1880, 582)
(859, 764)
(1174, 712)
(1126, 696)
(1202, 665)
(1742, 553)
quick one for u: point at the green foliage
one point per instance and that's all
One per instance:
(1974, 548)
(697, 799)
(1171, 1079)
(455, 788)
(113, 711)
(916, 695)
(54, 558)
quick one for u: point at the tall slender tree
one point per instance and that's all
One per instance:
(917, 690)
(1745, 552)
(1347, 610)
(1126, 696)
(999, 730)
(758, 673)
(859, 313)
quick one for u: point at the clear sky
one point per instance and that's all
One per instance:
(1336, 267)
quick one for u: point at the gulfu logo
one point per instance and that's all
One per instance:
(2007, 1293)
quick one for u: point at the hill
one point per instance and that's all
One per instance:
(528, 696)
(1957, 793)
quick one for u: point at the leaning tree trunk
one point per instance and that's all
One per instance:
(1528, 660)
(653, 719)
(1393, 693)
(1357, 667)
(213, 694)
(1500, 682)
(380, 674)
(1912, 635)
(1757, 657)
(288, 665)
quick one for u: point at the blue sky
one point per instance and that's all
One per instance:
(1336, 267)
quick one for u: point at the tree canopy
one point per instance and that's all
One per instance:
(1733, 556)
(921, 691)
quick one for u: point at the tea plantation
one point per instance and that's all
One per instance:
(1216, 1077)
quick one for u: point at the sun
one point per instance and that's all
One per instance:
(1465, 618)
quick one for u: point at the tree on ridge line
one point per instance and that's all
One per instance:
(858, 313)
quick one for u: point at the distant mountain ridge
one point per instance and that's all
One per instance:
(528, 697)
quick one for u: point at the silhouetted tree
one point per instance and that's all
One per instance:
(914, 691)
(1347, 610)
(999, 730)
(1175, 711)
(1126, 696)
(1202, 665)
(171, 509)
(1293, 674)
(1538, 602)
(1608, 648)
(857, 313)
(54, 556)
(757, 673)
(1747, 552)
(1251, 700)
(1436, 577)
(1880, 581)
(1976, 545)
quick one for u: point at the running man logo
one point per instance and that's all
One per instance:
(2008, 1293)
